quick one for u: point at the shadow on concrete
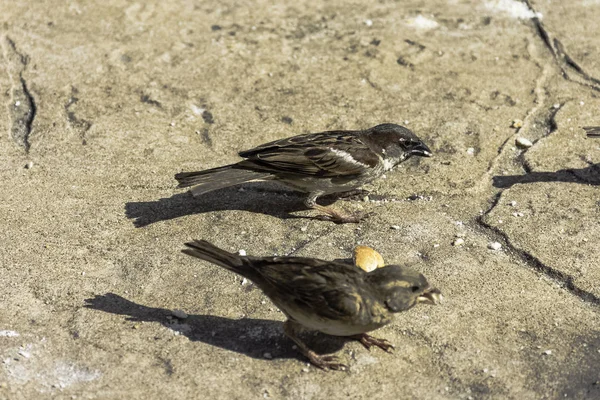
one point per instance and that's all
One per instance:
(586, 176)
(252, 337)
(264, 198)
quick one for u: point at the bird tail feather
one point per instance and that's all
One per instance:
(207, 251)
(218, 178)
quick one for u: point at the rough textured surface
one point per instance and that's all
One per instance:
(105, 101)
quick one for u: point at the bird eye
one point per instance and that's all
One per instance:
(414, 288)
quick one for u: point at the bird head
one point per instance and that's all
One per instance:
(396, 143)
(401, 288)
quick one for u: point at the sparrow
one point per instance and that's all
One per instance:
(592, 131)
(317, 164)
(331, 297)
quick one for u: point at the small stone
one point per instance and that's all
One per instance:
(268, 356)
(548, 352)
(494, 246)
(517, 214)
(244, 281)
(366, 199)
(523, 143)
(556, 106)
(29, 165)
(517, 123)
(304, 228)
(395, 227)
(458, 242)
(305, 369)
(471, 151)
(172, 124)
(24, 353)
(581, 103)
(242, 252)
(17, 103)
(512, 203)
(369, 22)
(179, 314)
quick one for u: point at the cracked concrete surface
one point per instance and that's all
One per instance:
(116, 97)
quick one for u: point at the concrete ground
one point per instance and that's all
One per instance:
(103, 102)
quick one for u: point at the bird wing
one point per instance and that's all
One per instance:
(327, 154)
(329, 290)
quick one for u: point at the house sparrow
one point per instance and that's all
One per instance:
(334, 298)
(317, 164)
(592, 131)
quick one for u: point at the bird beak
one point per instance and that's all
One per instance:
(431, 296)
(421, 150)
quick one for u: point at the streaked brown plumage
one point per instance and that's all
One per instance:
(317, 164)
(592, 131)
(331, 297)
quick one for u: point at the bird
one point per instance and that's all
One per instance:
(331, 297)
(317, 163)
(592, 131)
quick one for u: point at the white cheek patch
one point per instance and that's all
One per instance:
(347, 157)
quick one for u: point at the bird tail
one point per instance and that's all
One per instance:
(206, 251)
(218, 178)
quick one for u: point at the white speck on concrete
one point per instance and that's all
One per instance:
(515, 9)
(421, 22)
(494, 246)
(9, 334)
(242, 252)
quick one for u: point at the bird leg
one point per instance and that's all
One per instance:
(370, 341)
(323, 361)
(331, 214)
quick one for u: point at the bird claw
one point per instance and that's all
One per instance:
(340, 218)
(370, 341)
(327, 362)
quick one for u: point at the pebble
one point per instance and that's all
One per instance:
(518, 214)
(517, 123)
(369, 22)
(548, 352)
(523, 143)
(244, 281)
(179, 314)
(458, 242)
(494, 246)
(512, 203)
(304, 228)
(470, 151)
(395, 227)
(29, 165)
(242, 252)
(268, 356)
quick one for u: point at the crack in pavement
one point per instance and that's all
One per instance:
(536, 113)
(21, 107)
(80, 124)
(564, 61)
(563, 279)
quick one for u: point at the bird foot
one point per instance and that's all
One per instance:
(326, 361)
(338, 217)
(370, 341)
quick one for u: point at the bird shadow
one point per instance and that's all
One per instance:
(252, 337)
(263, 198)
(588, 176)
